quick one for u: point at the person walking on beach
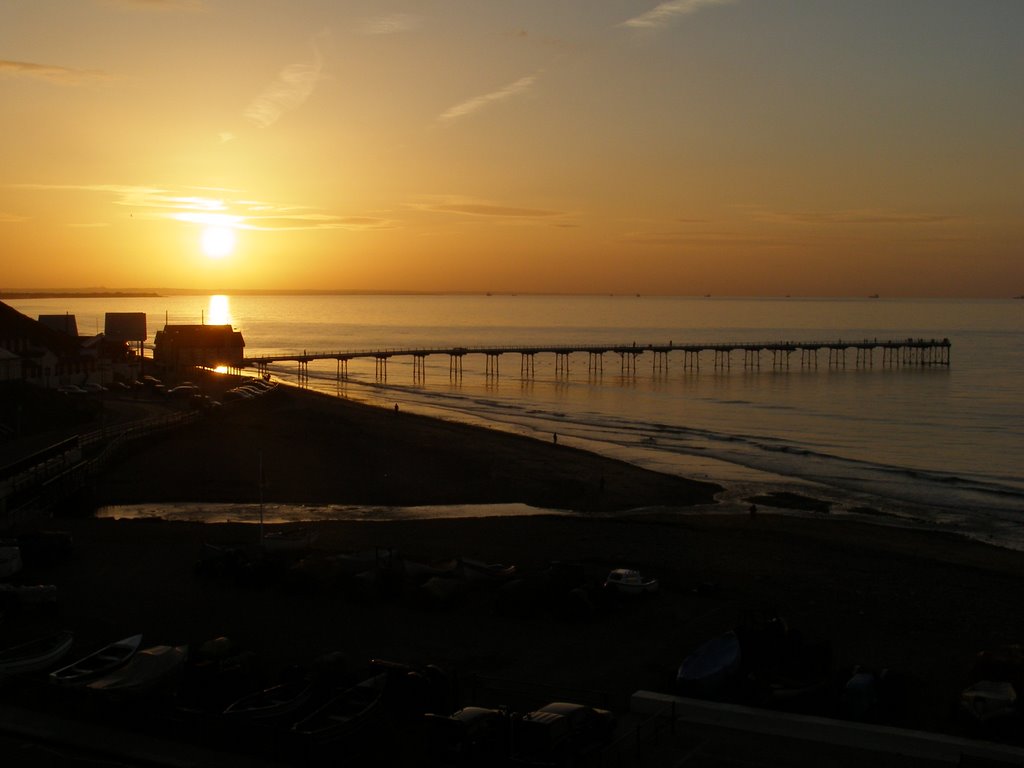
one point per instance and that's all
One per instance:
(554, 438)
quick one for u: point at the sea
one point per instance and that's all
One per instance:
(937, 446)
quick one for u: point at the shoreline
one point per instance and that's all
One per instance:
(316, 448)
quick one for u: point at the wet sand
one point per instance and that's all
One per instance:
(917, 602)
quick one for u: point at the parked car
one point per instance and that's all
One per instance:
(626, 581)
(468, 736)
(70, 389)
(92, 386)
(201, 402)
(562, 728)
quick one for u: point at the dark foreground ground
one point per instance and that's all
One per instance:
(916, 603)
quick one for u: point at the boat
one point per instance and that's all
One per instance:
(36, 654)
(626, 581)
(98, 663)
(148, 670)
(345, 713)
(27, 594)
(474, 570)
(987, 700)
(711, 667)
(289, 540)
(272, 702)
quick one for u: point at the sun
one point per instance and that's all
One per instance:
(217, 241)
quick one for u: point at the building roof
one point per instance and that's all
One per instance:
(66, 323)
(125, 326)
(200, 336)
(14, 325)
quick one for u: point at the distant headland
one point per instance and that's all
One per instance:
(78, 295)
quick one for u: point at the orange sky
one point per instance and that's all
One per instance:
(731, 147)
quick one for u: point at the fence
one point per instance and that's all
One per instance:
(34, 484)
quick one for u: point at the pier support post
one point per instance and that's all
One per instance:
(526, 366)
(595, 363)
(865, 357)
(381, 370)
(837, 357)
(660, 362)
(419, 368)
(562, 364)
(491, 364)
(455, 367)
(780, 357)
(628, 363)
(722, 358)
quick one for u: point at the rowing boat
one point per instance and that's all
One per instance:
(35, 654)
(97, 664)
(147, 671)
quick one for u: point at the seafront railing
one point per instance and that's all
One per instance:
(36, 482)
(893, 351)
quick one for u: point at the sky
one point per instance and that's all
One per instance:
(687, 147)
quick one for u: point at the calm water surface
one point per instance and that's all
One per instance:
(935, 444)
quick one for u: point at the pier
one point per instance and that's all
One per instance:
(837, 354)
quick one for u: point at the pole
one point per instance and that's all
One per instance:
(260, 498)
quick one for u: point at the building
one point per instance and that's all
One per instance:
(66, 324)
(47, 357)
(186, 346)
(10, 366)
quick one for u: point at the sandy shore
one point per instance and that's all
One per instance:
(920, 603)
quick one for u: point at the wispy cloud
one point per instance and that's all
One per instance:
(390, 25)
(665, 13)
(290, 89)
(202, 205)
(505, 211)
(310, 220)
(521, 85)
(465, 206)
(679, 239)
(157, 5)
(50, 73)
(854, 217)
(10, 218)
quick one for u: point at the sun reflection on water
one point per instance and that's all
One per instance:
(219, 311)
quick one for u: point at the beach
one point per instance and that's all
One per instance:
(919, 603)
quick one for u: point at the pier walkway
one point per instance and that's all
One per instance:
(892, 352)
